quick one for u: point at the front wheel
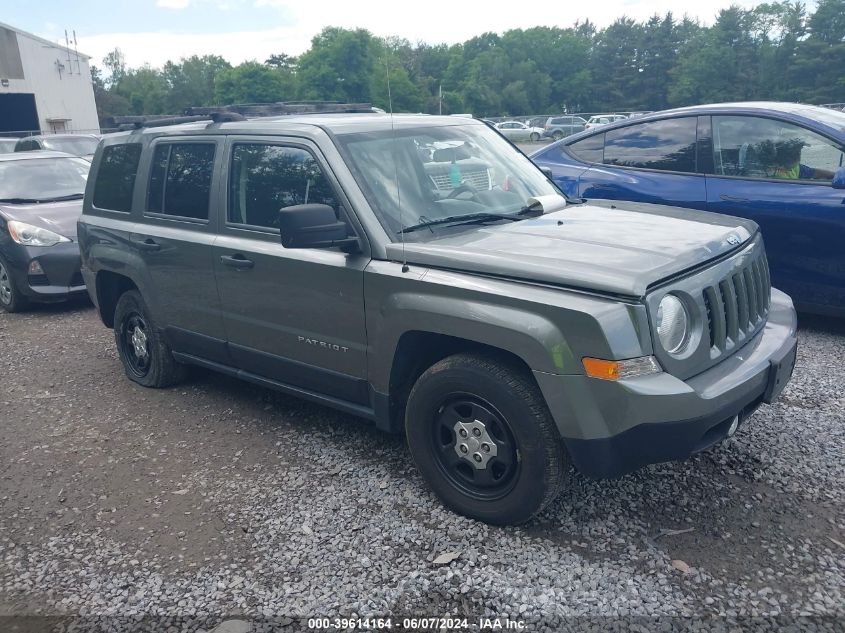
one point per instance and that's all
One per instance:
(535, 137)
(146, 356)
(557, 135)
(484, 440)
(11, 299)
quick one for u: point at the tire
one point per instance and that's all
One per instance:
(535, 137)
(526, 472)
(11, 299)
(146, 357)
(557, 135)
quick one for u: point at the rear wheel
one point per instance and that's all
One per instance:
(482, 437)
(146, 357)
(11, 299)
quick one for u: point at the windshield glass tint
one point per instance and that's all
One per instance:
(78, 146)
(441, 171)
(42, 178)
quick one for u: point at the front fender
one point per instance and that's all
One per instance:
(550, 329)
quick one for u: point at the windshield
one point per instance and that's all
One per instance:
(76, 145)
(42, 178)
(437, 172)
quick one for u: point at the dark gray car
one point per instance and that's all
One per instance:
(422, 273)
(40, 203)
(558, 127)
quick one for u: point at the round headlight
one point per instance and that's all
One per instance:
(672, 324)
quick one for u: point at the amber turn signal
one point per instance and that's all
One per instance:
(619, 369)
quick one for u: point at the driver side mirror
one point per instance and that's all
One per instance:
(314, 226)
(839, 178)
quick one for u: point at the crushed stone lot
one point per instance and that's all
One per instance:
(217, 499)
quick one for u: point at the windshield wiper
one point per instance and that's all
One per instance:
(71, 196)
(466, 218)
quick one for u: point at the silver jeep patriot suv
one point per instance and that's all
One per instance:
(421, 272)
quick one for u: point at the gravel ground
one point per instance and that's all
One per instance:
(217, 499)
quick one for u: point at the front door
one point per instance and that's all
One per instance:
(779, 175)
(295, 316)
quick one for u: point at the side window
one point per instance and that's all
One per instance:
(115, 179)
(180, 180)
(265, 178)
(590, 149)
(755, 147)
(666, 145)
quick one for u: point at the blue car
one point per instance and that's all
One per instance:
(779, 164)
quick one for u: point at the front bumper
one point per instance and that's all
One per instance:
(611, 428)
(60, 276)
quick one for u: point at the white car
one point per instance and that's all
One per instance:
(516, 131)
(603, 119)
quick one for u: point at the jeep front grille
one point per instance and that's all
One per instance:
(738, 305)
(478, 178)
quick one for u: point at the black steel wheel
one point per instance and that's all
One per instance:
(135, 346)
(482, 436)
(146, 356)
(474, 447)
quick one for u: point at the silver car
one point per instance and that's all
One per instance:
(516, 131)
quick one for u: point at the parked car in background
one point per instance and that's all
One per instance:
(7, 145)
(82, 145)
(516, 131)
(537, 121)
(558, 127)
(603, 119)
(778, 164)
(40, 203)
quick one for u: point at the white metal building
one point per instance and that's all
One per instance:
(44, 87)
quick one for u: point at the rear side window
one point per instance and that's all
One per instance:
(666, 145)
(266, 178)
(590, 149)
(180, 180)
(115, 180)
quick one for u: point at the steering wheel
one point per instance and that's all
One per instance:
(464, 187)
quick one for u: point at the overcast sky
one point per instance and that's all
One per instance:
(153, 31)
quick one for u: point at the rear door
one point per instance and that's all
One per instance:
(653, 161)
(174, 239)
(295, 316)
(779, 175)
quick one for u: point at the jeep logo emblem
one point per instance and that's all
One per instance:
(733, 239)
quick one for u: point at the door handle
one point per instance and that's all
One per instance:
(236, 261)
(728, 198)
(148, 245)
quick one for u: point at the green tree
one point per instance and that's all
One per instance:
(251, 82)
(339, 66)
(191, 81)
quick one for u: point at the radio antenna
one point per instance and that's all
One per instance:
(393, 149)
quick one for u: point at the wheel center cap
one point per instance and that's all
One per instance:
(474, 443)
(139, 342)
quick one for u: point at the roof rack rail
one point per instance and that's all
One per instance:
(236, 112)
(281, 108)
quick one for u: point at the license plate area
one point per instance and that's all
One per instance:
(780, 371)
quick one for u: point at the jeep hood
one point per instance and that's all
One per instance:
(59, 217)
(616, 248)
